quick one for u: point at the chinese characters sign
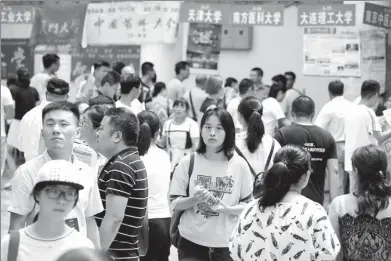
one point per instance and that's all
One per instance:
(22, 14)
(330, 15)
(205, 13)
(271, 15)
(83, 59)
(377, 15)
(15, 53)
(203, 46)
(16, 21)
(123, 23)
(58, 24)
(268, 15)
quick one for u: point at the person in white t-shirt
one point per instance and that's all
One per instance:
(7, 112)
(130, 91)
(175, 88)
(246, 89)
(56, 191)
(273, 116)
(196, 96)
(291, 94)
(361, 126)
(157, 165)
(212, 192)
(51, 64)
(60, 129)
(253, 142)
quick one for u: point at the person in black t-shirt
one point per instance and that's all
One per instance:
(318, 142)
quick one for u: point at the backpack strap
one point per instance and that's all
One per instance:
(237, 150)
(270, 156)
(192, 106)
(13, 246)
(191, 167)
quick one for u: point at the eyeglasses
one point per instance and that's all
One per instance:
(56, 194)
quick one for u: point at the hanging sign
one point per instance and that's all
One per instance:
(204, 45)
(377, 15)
(123, 23)
(205, 13)
(327, 15)
(16, 21)
(58, 24)
(83, 59)
(268, 15)
(15, 53)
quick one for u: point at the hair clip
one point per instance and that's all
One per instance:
(381, 174)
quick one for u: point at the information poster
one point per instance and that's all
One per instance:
(331, 53)
(373, 54)
(204, 46)
(15, 53)
(83, 59)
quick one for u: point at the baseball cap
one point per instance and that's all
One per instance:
(60, 172)
(57, 86)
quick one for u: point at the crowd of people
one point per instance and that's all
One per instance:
(225, 170)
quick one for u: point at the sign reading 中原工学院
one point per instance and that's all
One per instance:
(267, 15)
(327, 15)
(204, 13)
(377, 15)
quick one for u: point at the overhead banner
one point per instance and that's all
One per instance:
(16, 21)
(123, 23)
(204, 46)
(15, 53)
(83, 59)
(335, 53)
(58, 24)
(377, 15)
(205, 13)
(267, 15)
(327, 15)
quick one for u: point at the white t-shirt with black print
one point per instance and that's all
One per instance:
(176, 138)
(230, 181)
(298, 230)
(257, 159)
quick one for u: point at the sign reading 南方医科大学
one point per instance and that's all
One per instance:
(327, 15)
(377, 15)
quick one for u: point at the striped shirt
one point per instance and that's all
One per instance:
(125, 175)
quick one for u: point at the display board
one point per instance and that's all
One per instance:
(15, 53)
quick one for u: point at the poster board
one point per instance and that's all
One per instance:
(331, 52)
(15, 53)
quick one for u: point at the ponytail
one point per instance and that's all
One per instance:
(255, 130)
(276, 184)
(144, 139)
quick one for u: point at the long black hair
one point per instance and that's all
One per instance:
(251, 109)
(373, 192)
(290, 164)
(149, 126)
(229, 127)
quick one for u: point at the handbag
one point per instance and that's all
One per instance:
(176, 215)
(257, 182)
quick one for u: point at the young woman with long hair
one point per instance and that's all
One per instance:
(362, 219)
(212, 187)
(257, 147)
(282, 224)
(157, 164)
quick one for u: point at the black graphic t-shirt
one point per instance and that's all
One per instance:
(295, 231)
(320, 144)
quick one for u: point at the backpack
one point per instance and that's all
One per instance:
(176, 215)
(13, 246)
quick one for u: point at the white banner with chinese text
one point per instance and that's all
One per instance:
(122, 23)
